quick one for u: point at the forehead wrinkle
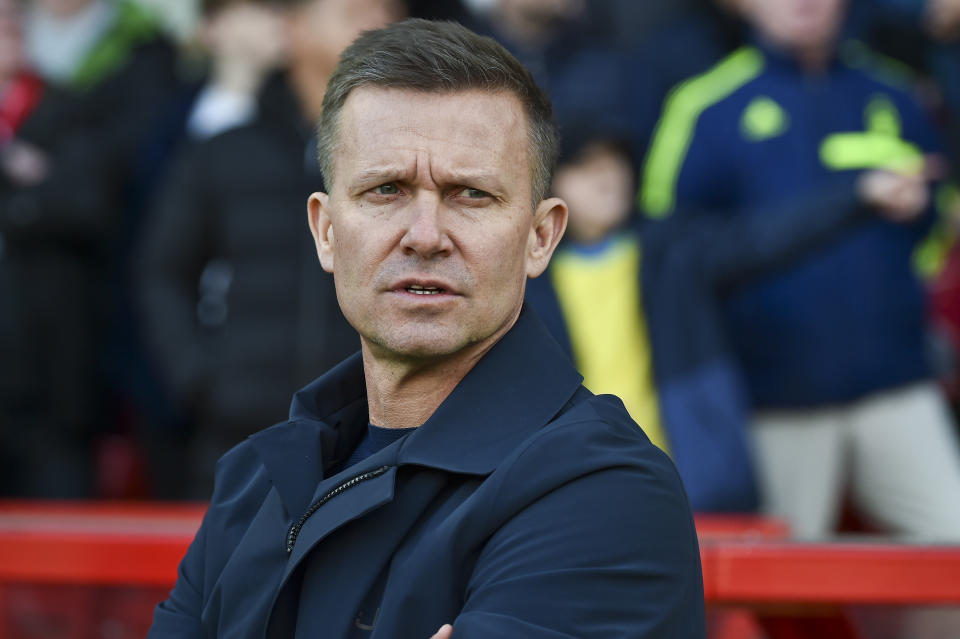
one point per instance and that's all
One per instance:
(452, 148)
(377, 172)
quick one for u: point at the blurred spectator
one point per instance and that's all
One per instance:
(245, 41)
(242, 43)
(568, 47)
(674, 43)
(595, 277)
(239, 43)
(638, 306)
(238, 311)
(833, 348)
(925, 35)
(113, 55)
(64, 169)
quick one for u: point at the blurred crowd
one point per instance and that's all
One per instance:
(759, 260)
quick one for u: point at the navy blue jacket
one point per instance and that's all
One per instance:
(690, 264)
(750, 136)
(524, 507)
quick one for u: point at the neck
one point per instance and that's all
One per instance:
(405, 392)
(310, 83)
(813, 59)
(228, 75)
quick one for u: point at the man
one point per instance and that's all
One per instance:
(238, 312)
(833, 347)
(511, 501)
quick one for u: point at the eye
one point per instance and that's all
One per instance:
(472, 193)
(390, 188)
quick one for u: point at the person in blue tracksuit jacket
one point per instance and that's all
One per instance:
(833, 347)
(669, 297)
(454, 478)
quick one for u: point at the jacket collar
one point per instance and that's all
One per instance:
(515, 389)
(778, 59)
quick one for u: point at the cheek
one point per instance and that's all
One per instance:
(350, 245)
(503, 264)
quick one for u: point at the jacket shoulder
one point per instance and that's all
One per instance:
(593, 435)
(683, 109)
(589, 513)
(240, 479)
(884, 71)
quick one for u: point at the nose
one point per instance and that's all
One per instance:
(425, 234)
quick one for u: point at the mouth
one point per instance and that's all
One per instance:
(425, 289)
(416, 289)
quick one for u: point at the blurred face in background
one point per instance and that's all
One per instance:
(541, 10)
(802, 25)
(598, 189)
(11, 42)
(321, 29)
(246, 32)
(531, 21)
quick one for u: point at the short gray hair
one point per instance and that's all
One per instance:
(430, 56)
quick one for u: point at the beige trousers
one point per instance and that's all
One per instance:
(896, 451)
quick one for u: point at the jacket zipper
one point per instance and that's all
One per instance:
(294, 531)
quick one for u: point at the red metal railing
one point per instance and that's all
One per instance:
(113, 549)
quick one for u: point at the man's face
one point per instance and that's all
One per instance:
(796, 23)
(428, 227)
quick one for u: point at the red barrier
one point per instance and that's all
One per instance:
(78, 557)
(836, 573)
(124, 544)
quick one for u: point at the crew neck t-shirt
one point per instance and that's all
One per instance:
(376, 439)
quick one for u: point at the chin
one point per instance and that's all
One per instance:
(419, 344)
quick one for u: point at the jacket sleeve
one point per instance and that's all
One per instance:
(612, 553)
(730, 249)
(176, 245)
(179, 616)
(919, 128)
(240, 488)
(72, 204)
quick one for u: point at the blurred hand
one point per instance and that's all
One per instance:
(445, 632)
(943, 18)
(246, 41)
(24, 163)
(899, 198)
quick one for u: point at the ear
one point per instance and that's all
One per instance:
(549, 223)
(321, 227)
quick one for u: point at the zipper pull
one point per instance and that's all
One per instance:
(295, 528)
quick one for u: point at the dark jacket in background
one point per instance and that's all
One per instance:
(238, 312)
(59, 238)
(523, 507)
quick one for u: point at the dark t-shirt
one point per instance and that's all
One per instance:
(377, 438)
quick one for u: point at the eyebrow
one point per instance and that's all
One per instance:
(490, 181)
(374, 175)
(377, 173)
